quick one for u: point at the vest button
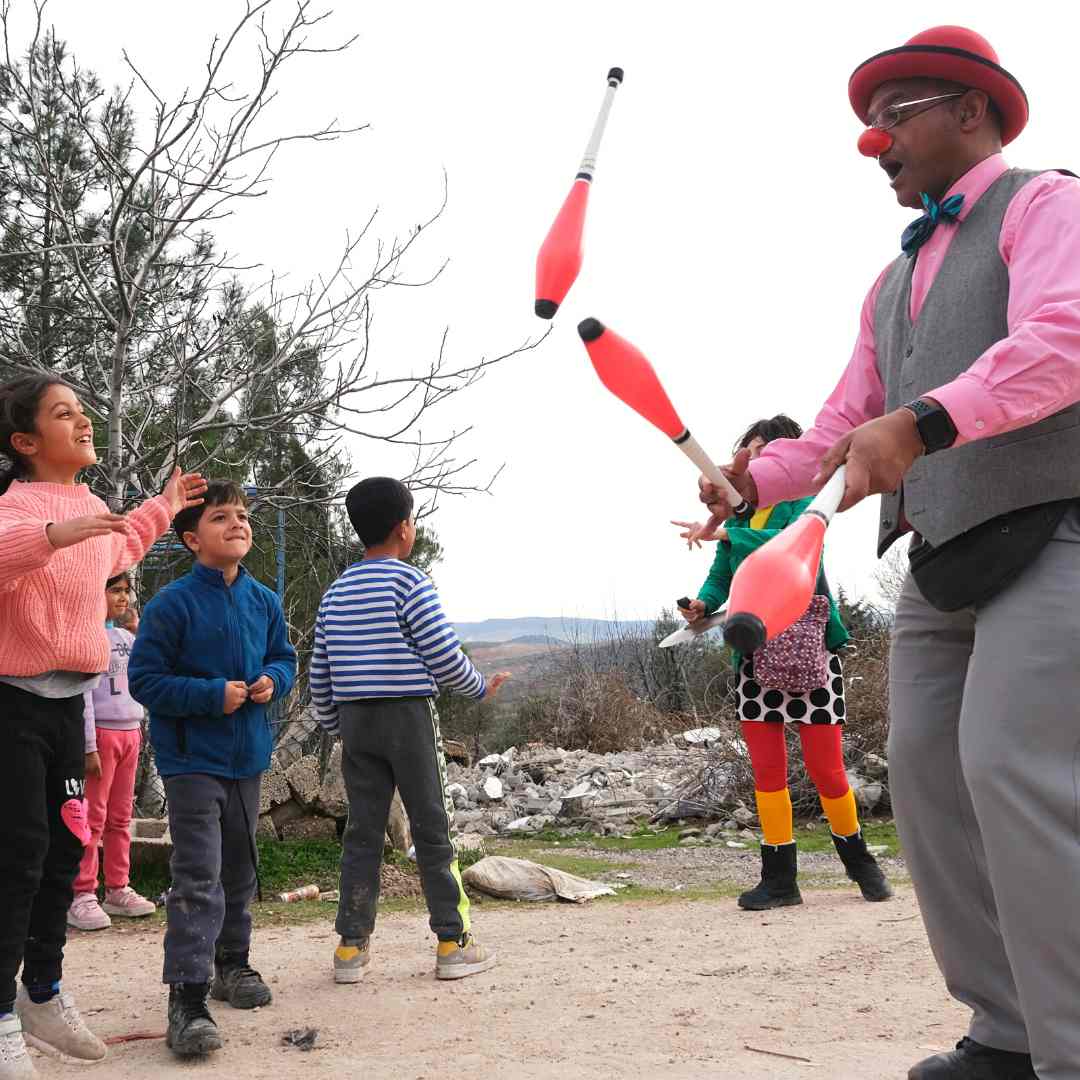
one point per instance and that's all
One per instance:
(909, 350)
(887, 522)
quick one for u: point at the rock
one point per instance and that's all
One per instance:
(265, 828)
(735, 844)
(303, 779)
(492, 761)
(743, 816)
(702, 736)
(478, 828)
(457, 752)
(332, 798)
(275, 789)
(687, 833)
(878, 849)
(513, 780)
(714, 830)
(875, 767)
(691, 841)
(868, 795)
(491, 790)
(731, 825)
(522, 825)
(310, 828)
(811, 826)
(458, 795)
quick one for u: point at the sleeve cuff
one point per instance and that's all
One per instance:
(770, 479)
(971, 408)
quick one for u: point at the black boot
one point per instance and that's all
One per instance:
(862, 867)
(192, 1030)
(237, 983)
(973, 1061)
(777, 887)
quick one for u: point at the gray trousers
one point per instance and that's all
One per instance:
(984, 755)
(388, 743)
(212, 823)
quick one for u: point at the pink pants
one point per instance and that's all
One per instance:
(109, 798)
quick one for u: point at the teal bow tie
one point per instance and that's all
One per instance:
(921, 229)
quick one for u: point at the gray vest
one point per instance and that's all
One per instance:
(964, 313)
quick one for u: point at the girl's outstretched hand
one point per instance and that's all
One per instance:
(184, 490)
(694, 532)
(64, 534)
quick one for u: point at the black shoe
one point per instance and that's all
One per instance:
(777, 887)
(862, 867)
(192, 1031)
(238, 984)
(973, 1061)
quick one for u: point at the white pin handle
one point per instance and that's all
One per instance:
(828, 498)
(693, 450)
(588, 162)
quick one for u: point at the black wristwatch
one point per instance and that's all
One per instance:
(936, 428)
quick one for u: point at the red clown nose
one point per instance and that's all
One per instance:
(873, 142)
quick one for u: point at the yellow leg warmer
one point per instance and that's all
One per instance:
(774, 813)
(842, 814)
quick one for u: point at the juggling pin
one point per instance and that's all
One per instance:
(626, 372)
(774, 585)
(559, 260)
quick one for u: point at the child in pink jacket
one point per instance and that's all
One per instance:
(59, 544)
(113, 735)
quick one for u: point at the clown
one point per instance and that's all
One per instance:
(961, 407)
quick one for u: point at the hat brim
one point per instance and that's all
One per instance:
(942, 62)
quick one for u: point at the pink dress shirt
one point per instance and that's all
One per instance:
(1031, 373)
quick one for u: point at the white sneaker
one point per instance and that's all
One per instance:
(85, 913)
(126, 902)
(55, 1027)
(15, 1063)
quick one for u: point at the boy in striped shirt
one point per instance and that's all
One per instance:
(383, 650)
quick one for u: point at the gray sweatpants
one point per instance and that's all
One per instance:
(212, 823)
(984, 755)
(388, 743)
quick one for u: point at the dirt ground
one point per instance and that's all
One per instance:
(630, 989)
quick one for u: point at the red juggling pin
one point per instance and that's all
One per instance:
(559, 260)
(773, 586)
(626, 372)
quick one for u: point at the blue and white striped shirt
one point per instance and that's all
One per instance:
(380, 633)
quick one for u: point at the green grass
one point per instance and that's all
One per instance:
(875, 832)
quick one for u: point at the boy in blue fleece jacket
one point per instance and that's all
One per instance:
(212, 652)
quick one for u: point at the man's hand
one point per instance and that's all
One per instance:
(93, 764)
(495, 682)
(695, 611)
(739, 475)
(878, 454)
(62, 534)
(184, 491)
(694, 532)
(261, 690)
(236, 693)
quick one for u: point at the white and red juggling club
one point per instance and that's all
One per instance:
(559, 260)
(774, 585)
(626, 372)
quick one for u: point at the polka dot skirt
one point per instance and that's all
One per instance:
(824, 705)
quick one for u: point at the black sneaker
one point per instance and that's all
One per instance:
(862, 867)
(238, 984)
(973, 1061)
(777, 888)
(192, 1031)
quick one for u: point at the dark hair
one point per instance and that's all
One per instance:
(218, 493)
(376, 505)
(19, 402)
(776, 427)
(125, 576)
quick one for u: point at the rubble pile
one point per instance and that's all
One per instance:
(538, 788)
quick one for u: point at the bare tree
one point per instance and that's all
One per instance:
(180, 348)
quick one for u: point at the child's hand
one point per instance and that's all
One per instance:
(236, 693)
(64, 534)
(495, 682)
(184, 491)
(261, 690)
(93, 764)
(695, 611)
(694, 532)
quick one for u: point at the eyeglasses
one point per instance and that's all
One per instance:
(891, 115)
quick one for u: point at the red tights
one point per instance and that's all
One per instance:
(821, 749)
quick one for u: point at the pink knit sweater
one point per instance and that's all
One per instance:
(52, 602)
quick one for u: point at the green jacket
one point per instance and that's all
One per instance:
(743, 539)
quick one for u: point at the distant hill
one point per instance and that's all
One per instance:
(538, 630)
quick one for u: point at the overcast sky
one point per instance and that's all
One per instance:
(733, 233)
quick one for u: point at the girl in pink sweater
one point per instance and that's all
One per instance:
(59, 544)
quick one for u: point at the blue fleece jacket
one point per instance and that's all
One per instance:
(195, 635)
